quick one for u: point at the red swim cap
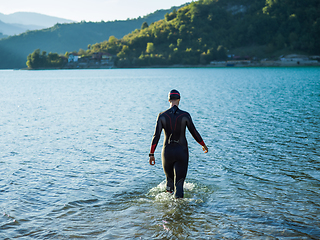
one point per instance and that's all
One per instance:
(173, 95)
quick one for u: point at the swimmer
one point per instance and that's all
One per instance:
(175, 153)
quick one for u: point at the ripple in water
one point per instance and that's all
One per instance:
(74, 154)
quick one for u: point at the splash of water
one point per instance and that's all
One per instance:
(192, 193)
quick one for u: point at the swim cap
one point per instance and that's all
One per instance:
(173, 95)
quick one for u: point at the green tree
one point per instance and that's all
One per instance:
(150, 47)
(293, 40)
(171, 16)
(124, 51)
(182, 29)
(280, 41)
(82, 52)
(171, 46)
(54, 60)
(144, 25)
(221, 53)
(112, 40)
(35, 60)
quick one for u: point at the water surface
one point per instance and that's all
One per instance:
(74, 154)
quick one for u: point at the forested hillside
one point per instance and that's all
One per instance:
(208, 30)
(67, 37)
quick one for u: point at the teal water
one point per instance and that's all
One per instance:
(74, 154)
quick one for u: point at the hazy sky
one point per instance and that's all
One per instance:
(89, 10)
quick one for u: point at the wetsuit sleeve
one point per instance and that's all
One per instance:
(195, 134)
(156, 135)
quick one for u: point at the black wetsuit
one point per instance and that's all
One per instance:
(175, 154)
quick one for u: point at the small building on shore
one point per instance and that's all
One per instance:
(97, 60)
(104, 58)
(73, 57)
(295, 59)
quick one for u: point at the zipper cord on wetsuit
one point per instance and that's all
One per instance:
(175, 111)
(169, 139)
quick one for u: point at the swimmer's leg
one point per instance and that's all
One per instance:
(169, 177)
(180, 170)
(168, 170)
(170, 185)
(179, 188)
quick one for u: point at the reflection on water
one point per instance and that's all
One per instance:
(74, 154)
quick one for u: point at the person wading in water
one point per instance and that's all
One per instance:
(175, 154)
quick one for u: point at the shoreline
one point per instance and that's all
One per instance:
(263, 65)
(291, 62)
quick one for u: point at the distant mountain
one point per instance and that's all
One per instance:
(20, 22)
(2, 35)
(15, 29)
(33, 19)
(10, 29)
(68, 37)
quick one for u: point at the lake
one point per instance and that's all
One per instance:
(74, 150)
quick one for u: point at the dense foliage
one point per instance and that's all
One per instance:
(197, 33)
(205, 30)
(67, 37)
(44, 60)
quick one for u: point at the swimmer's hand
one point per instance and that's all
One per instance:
(205, 148)
(152, 160)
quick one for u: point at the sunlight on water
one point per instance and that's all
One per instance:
(173, 215)
(191, 193)
(74, 154)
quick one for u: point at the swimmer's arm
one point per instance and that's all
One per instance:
(155, 140)
(196, 135)
(205, 148)
(152, 160)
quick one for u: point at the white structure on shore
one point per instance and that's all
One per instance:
(294, 59)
